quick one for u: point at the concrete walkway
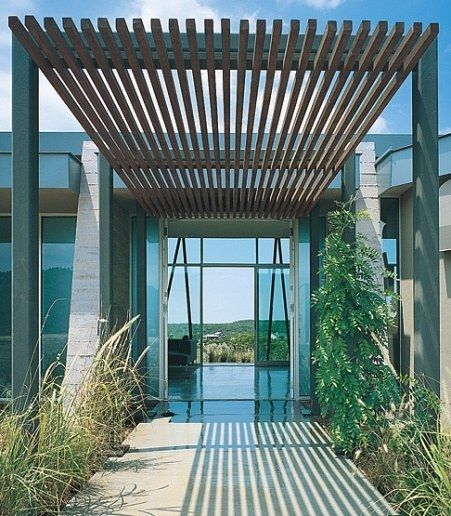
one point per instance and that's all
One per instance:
(229, 469)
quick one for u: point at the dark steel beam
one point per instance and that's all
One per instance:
(106, 242)
(25, 227)
(426, 278)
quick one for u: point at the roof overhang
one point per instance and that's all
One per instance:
(220, 124)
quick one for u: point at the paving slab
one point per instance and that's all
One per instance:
(229, 468)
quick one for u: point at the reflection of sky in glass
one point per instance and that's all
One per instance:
(229, 250)
(389, 247)
(228, 294)
(192, 250)
(57, 255)
(177, 309)
(266, 250)
(265, 280)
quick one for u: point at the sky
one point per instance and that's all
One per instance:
(54, 116)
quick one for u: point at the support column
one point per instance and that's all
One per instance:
(348, 191)
(140, 301)
(426, 219)
(25, 227)
(106, 242)
(314, 285)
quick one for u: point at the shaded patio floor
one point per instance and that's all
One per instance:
(219, 467)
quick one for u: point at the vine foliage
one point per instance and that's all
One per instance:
(354, 379)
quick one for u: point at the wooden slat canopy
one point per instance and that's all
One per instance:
(206, 124)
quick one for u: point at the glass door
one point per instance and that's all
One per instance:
(273, 315)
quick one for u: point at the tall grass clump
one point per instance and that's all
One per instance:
(50, 450)
(409, 458)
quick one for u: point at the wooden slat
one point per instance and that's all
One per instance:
(355, 50)
(42, 62)
(157, 33)
(113, 84)
(185, 195)
(307, 94)
(283, 84)
(351, 114)
(373, 53)
(149, 65)
(306, 49)
(255, 81)
(225, 40)
(410, 61)
(240, 86)
(164, 179)
(137, 123)
(314, 108)
(197, 79)
(211, 70)
(174, 32)
(358, 109)
(348, 110)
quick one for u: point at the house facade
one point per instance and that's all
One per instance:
(70, 236)
(201, 185)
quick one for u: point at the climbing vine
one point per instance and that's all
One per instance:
(354, 381)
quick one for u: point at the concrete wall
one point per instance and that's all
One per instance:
(85, 299)
(368, 200)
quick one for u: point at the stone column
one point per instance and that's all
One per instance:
(368, 200)
(85, 299)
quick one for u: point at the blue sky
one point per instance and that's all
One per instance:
(395, 119)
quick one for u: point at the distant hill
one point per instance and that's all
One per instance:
(178, 330)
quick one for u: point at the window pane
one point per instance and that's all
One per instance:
(273, 315)
(183, 317)
(229, 250)
(176, 250)
(58, 242)
(268, 246)
(5, 307)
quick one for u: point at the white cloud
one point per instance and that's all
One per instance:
(380, 126)
(323, 4)
(197, 9)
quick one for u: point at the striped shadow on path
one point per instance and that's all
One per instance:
(229, 468)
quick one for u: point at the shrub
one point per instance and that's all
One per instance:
(353, 380)
(54, 446)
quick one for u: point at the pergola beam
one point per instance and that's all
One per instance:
(142, 98)
(25, 228)
(426, 276)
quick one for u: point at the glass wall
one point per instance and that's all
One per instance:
(221, 289)
(57, 256)
(273, 327)
(5, 307)
(153, 305)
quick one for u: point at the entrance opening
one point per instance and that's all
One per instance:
(229, 319)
